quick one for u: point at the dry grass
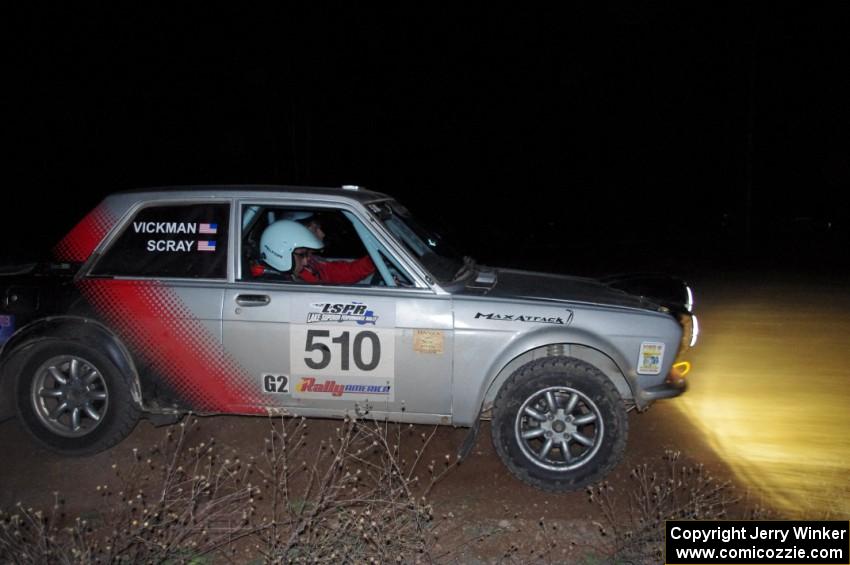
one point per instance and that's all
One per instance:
(634, 527)
(350, 498)
(358, 496)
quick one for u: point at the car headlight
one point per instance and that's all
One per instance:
(689, 304)
(694, 330)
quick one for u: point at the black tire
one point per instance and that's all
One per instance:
(95, 393)
(597, 416)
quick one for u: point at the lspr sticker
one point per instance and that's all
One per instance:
(651, 358)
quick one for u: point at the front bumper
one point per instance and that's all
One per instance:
(674, 385)
(669, 389)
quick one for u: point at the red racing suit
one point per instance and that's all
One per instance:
(340, 272)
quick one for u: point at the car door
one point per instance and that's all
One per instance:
(328, 349)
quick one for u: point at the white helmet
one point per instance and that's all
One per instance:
(283, 237)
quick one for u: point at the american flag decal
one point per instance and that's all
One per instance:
(208, 228)
(206, 245)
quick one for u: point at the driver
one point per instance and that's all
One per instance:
(289, 246)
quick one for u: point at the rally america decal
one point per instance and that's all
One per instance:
(341, 312)
(178, 228)
(343, 389)
(564, 320)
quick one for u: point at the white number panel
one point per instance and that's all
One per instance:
(342, 362)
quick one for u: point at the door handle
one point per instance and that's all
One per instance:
(248, 300)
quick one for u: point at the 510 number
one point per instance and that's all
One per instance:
(348, 350)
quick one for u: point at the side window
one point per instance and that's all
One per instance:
(174, 241)
(319, 246)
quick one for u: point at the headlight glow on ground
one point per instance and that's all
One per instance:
(771, 394)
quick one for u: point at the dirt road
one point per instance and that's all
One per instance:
(767, 408)
(771, 388)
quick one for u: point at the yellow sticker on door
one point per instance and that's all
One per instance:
(428, 341)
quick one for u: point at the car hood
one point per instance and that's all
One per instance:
(525, 285)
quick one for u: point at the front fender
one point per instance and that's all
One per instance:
(467, 411)
(84, 330)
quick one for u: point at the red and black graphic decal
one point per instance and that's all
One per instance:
(155, 323)
(85, 236)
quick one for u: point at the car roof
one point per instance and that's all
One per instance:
(260, 190)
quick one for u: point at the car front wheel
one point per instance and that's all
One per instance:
(559, 424)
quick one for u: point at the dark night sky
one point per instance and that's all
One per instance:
(575, 140)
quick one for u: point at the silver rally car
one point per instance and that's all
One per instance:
(189, 299)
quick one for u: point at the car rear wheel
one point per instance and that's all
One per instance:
(73, 400)
(559, 424)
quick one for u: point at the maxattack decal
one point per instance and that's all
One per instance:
(341, 312)
(559, 320)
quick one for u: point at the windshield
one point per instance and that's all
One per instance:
(428, 247)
